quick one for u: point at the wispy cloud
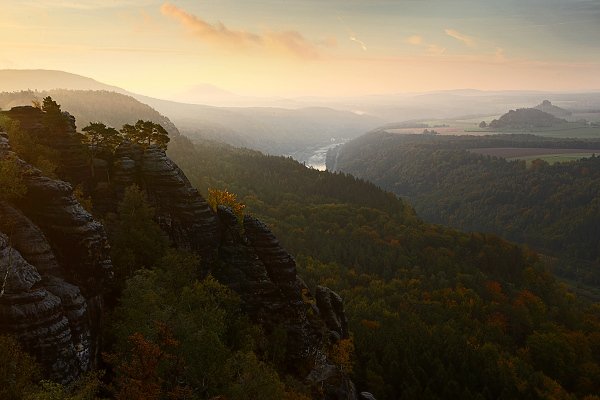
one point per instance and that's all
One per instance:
(218, 34)
(461, 37)
(436, 50)
(430, 48)
(351, 35)
(360, 42)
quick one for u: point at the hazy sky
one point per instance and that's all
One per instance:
(309, 47)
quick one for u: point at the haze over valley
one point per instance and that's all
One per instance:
(339, 200)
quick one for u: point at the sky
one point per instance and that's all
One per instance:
(309, 47)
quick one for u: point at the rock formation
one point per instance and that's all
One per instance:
(547, 107)
(53, 262)
(331, 307)
(63, 264)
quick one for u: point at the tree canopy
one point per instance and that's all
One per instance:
(98, 137)
(146, 133)
(11, 180)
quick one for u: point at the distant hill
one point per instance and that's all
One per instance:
(12, 80)
(547, 107)
(526, 118)
(269, 129)
(86, 106)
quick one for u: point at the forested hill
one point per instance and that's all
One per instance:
(435, 313)
(551, 207)
(526, 118)
(87, 106)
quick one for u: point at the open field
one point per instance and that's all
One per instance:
(520, 152)
(574, 130)
(529, 154)
(554, 158)
(470, 126)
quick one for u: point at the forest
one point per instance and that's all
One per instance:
(434, 313)
(552, 208)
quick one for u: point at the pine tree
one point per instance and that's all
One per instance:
(146, 133)
(98, 137)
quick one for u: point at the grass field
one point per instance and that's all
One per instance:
(471, 127)
(549, 155)
(555, 158)
(574, 130)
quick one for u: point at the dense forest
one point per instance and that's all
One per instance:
(170, 329)
(553, 208)
(435, 313)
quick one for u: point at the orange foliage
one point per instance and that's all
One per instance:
(498, 320)
(370, 324)
(494, 288)
(342, 354)
(218, 197)
(139, 377)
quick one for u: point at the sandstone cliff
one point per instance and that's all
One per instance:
(57, 259)
(54, 261)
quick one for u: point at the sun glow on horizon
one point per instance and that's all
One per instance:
(306, 48)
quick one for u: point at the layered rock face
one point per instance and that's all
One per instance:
(66, 254)
(73, 164)
(53, 262)
(248, 258)
(180, 210)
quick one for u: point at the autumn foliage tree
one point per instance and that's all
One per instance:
(218, 197)
(151, 370)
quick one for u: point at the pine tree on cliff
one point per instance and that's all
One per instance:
(53, 115)
(146, 133)
(98, 137)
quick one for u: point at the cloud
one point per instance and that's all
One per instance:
(351, 35)
(434, 49)
(430, 48)
(461, 37)
(360, 42)
(414, 40)
(217, 34)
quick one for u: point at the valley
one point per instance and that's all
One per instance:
(299, 200)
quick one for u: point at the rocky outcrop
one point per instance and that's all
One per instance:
(253, 264)
(53, 264)
(547, 107)
(73, 165)
(180, 210)
(65, 266)
(366, 396)
(331, 307)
